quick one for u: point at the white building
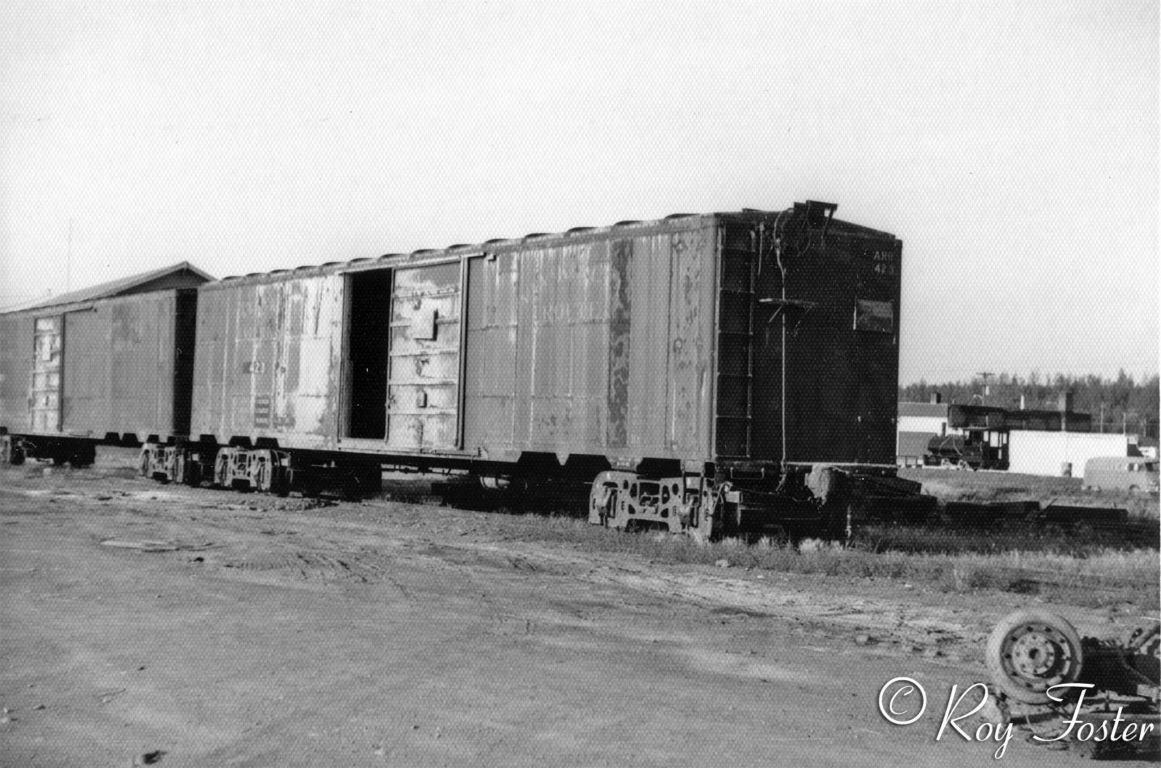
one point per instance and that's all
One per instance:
(1035, 452)
(923, 417)
(915, 425)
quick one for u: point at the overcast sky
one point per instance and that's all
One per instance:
(1012, 146)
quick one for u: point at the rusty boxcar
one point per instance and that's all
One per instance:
(111, 363)
(707, 373)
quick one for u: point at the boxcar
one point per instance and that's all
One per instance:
(727, 371)
(112, 363)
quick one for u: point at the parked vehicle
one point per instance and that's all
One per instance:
(1127, 473)
(975, 449)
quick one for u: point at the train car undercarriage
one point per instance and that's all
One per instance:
(749, 501)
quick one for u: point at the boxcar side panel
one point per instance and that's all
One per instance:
(268, 361)
(16, 351)
(87, 371)
(424, 358)
(490, 355)
(690, 342)
(600, 347)
(119, 367)
(142, 359)
(648, 347)
(562, 327)
(672, 308)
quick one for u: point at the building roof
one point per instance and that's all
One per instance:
(932, 410)
(181, 275)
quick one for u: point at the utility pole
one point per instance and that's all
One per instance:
(69, 260)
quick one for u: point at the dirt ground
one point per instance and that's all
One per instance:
(205, 627)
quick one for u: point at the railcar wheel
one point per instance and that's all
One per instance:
(11, 451)
(181, 467)
(603, 503)
(259, 470)
(1030, 651)
(221, 476)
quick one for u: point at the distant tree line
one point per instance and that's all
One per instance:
(1127, 403)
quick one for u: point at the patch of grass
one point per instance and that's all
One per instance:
(1017, 536)
(1050, 565)
(954, 485)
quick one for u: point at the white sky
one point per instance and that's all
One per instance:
(1012, 146)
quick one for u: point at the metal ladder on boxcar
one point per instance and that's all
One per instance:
(736, 278)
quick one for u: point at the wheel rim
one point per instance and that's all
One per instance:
(1038, 656)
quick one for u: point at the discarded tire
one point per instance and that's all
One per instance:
(1030, 651)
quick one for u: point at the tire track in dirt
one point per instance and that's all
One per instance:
(262, 538)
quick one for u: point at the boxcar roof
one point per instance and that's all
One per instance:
(673, 222)
(181, 275)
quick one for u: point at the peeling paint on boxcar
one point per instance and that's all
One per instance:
(46, 374)
(620, 337)
(562, 347)
(649, 402)
(267, 362)
(692, 303)
(603, 346)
